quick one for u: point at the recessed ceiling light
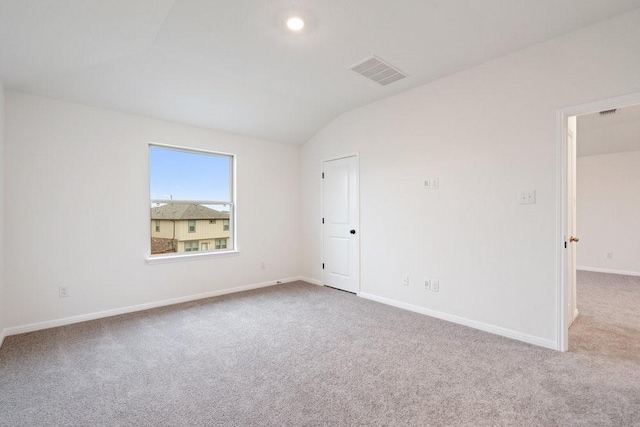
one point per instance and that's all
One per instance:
(295, 23)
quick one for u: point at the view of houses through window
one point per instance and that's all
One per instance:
(191, 201)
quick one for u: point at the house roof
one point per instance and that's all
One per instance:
(178, 211)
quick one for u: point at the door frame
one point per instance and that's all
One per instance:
(355, 154)
(563, 203)
(572, 314)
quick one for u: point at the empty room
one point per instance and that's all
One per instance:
(340, 213)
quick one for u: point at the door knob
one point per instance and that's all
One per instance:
(353, 232)
(574, 239)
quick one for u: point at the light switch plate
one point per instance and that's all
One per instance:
(435, 285)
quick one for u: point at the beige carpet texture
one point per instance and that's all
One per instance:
(304, 355)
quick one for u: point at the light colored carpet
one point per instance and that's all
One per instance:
(609, 321)
(299, 354)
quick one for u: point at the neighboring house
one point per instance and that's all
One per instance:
(188, 227)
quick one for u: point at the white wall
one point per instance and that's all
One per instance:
(78, 212)
(614, 133)
(3, 303)
(487, 133)
(608, 206)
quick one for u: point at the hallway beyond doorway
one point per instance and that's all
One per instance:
(609, 320)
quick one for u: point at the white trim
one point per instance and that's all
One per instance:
(562, 329)
(312, 281)
(195, 202)
(562, 202)
(189, 149)
(233, 238)
(609, 271)
(31, 327)
(190, 256)
(342, 156)
(3, 334)
(497, 330)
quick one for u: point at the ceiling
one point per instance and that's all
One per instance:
(232, 65)
(607, 134)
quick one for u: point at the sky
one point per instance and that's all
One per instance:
(180, 175)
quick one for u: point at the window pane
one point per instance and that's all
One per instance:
(183, 184)
(180, 175)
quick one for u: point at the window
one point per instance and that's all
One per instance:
(189, 190)
(191, 246)
(221, 243)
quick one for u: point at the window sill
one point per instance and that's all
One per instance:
(163, 259)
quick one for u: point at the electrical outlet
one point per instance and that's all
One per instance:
(63, 292)
(427, 184)
(435, 285)
(435, 183)
(263, 265)
(405, 281)
(427, 284)
(609, 255)
(527, 197)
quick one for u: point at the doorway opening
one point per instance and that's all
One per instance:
(599, 212)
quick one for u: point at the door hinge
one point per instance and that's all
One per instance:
(323, 220)
(565, 245)
(322, 175)
(323, 265)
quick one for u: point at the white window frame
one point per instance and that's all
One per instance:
(232, 240)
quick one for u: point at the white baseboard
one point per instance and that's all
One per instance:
(312, 281)
(530, 339)
(606, 270)
(31, 327)
(3, 333)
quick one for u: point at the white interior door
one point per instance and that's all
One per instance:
(340, 229)
(571, 239)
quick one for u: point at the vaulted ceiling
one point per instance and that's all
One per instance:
(234, 66)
